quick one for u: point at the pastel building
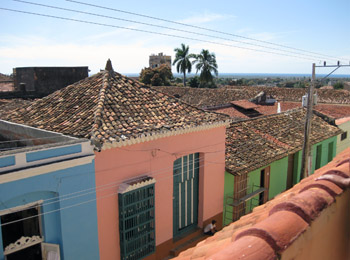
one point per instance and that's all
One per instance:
(307, 221)
(263, 157)
(47, 194)
(339, 116)
(159, 163)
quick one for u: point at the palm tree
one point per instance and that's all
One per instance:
(206, 64)
(182, 58)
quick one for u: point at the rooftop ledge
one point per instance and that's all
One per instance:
(308, 221)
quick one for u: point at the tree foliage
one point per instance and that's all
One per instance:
(182, 60)
(338, 85)
(205, 62)
(157, 76)
(194, 82)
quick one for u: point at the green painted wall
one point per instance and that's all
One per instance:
(278, 175)
(324, 154)
(278, 180)
(324, 157)
(297, 167)
(228, 191)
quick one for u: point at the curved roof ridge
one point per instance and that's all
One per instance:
(100, 103)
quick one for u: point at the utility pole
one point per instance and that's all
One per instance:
(306, 156)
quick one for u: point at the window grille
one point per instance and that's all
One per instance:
(136, 219)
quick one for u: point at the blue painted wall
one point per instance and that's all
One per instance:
(73, 228)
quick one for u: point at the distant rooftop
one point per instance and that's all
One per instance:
(111, 108)
(204, 98)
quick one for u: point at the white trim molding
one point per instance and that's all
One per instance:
(22, 243)
(35, 171)
(154, 136)
(21, 207)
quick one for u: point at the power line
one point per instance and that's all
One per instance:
(164, 27)
(197, 27)
(74, 205)
(152, 32)
(159, 171)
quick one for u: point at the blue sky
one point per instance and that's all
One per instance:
(320, 26)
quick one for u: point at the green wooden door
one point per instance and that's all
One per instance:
(185, 193)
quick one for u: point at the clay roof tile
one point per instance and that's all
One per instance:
(272, 227)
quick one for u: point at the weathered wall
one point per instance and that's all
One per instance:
(45, 80)
(327, 238)
(324, 157)
(342, 145)
(73, 228)
(156, 158)
(278, 180)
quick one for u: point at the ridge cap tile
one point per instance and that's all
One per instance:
(112, 108)
(279, 222)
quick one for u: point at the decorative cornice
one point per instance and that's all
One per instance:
(142, 182)
(154, 136)
(22, 243)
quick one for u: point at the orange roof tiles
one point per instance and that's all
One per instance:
(232, 112)
(244, 104)
(333, 111)
(256, 142)
(202, 97)
(110, 107)
(272, 227)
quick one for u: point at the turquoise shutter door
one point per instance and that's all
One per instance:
(185, 193)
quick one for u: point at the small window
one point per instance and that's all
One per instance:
(343, 136)
(136, 218)
(21, 234)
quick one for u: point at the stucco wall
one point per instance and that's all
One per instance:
(342, 145)
(278, 180)
(228, 191)
(156, 158)
(324, 157)
(74, 228)
(327, 238)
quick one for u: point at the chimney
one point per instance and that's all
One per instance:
(278, 108)
(109, 65)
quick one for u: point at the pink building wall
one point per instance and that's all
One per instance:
(156, 158)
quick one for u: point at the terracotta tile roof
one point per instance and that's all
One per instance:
(274, 226)
(272, 109)
(232, 112)
(214, 97)
(4, 77)
(333, 111)
(6, 86)
(8, 105)
(256, 142)
(110, 108)
(244, 104)
(259, 110)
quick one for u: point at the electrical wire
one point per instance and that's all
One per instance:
(70, 206)
(111, 185)
(164, 27)
(196, 27)
(152, 32)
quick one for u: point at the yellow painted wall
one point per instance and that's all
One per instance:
(342, 145)
(327, 237)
